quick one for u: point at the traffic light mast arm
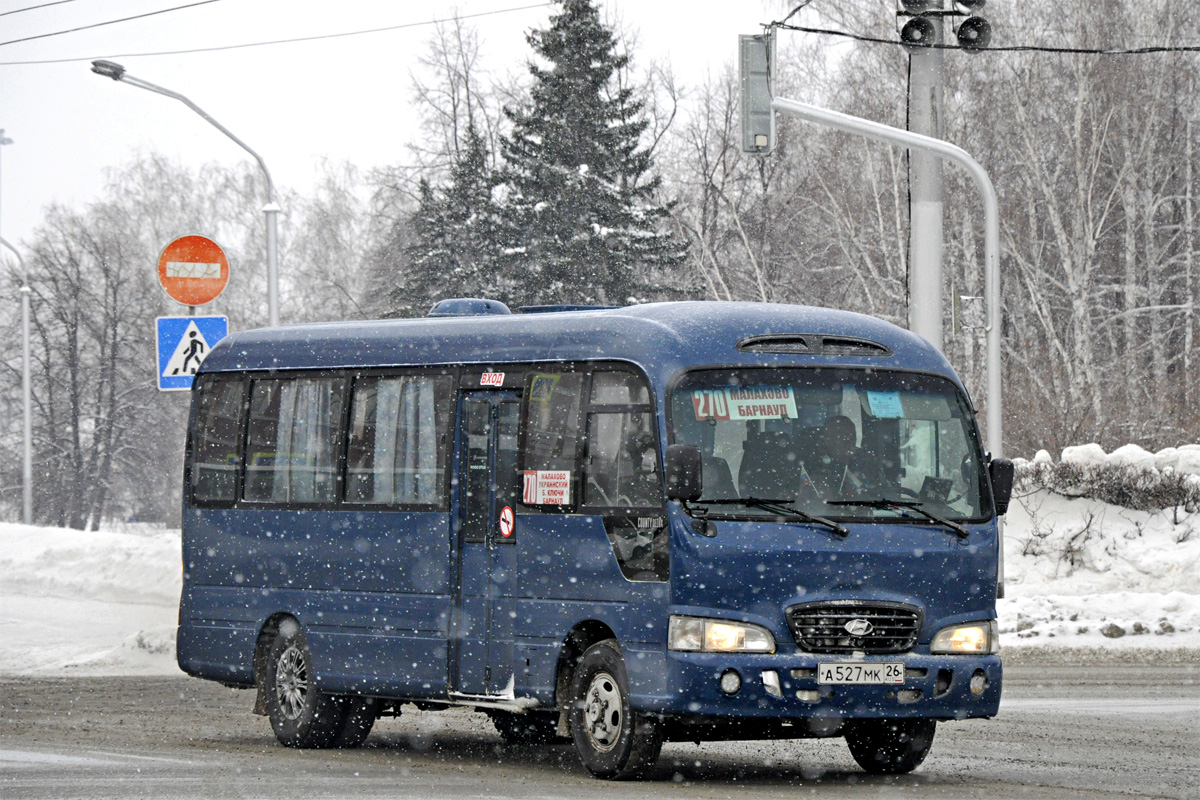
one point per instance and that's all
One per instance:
(991, 236)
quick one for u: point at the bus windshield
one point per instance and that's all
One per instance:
(832, 442)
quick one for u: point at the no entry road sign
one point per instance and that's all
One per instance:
(183, 343)
(193, 270)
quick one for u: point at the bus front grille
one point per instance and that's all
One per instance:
(854, 626)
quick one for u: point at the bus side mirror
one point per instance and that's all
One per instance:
(684, 472)
(1001, 472)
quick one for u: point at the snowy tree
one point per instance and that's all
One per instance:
(581, 194)
(441, 238)
(455, 237)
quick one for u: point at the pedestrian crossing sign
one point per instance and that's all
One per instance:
(183, 344)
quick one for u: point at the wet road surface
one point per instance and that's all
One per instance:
(1064, 731)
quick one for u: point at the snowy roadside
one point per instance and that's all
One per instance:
(1081, 576)
(1081, 573)
(88, 603)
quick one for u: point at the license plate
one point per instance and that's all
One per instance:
(861, 673)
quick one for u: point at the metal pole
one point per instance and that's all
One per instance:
(26, 392)
(926, 73)
(271, 211)
(115, 71)
(991, 235)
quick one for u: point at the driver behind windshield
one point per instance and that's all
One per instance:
(845, 469)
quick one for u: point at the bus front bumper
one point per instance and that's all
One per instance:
(785, 686)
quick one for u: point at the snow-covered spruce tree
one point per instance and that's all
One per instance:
(580, 205)
(455, 237)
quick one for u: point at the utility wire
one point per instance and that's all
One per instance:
(110, 22)
(791, 14)
(34, 8)
(270, 43)
(1010, 49)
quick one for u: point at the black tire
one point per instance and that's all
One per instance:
(301, 715)
(890, 746)
(612, 740)
(534, 727)
(360, 715)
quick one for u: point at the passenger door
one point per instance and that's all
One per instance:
(485, 499)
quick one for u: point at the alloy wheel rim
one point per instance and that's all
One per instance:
(603, 712)
(291, 682)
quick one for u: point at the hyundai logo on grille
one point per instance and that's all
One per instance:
(859, 627)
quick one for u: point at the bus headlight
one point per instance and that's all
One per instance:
(973, 637)
(696, 634)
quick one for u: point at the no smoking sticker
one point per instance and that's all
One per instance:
(507, 522)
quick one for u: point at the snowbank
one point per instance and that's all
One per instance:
(1080, 572)
(88, 603)
(1178, 459)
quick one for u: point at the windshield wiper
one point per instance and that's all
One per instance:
(781, 507)
(911, 505)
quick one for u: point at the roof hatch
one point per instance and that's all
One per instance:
(468, 307)
(817, 344)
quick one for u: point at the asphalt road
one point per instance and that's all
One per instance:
(1064, 731)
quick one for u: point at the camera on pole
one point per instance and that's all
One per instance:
(973, 33)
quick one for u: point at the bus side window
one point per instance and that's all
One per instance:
(550, 426)
(622, 460)
(397, 448)
(622, 474)
(622, 463)
(215, 441)
(291, 444)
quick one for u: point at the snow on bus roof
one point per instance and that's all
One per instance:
(658, 336)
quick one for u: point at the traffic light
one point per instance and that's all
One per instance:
(756, 65)
(973, 33)
(920, 30)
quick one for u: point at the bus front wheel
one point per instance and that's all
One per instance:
(301, 715)
(611, 739)
(890, 746)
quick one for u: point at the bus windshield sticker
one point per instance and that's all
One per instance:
(491, 379)
(745, 403)
(544, 487)
(543, 388)
(885, 405)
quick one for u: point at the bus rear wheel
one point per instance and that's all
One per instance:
(301, 715)
(890, 746)
(360, 715)
(611, 739)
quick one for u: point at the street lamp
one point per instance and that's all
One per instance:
(117, 72)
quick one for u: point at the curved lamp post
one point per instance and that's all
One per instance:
(117, 72)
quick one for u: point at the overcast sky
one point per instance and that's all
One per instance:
(343, 98)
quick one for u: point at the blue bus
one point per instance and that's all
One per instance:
(667, 522)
